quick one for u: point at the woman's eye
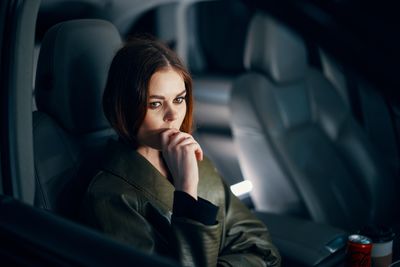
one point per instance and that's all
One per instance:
(154, 105)
(179, 100)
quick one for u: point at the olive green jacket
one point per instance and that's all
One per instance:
(131, 201)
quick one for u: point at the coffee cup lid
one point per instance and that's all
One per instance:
(378, 234)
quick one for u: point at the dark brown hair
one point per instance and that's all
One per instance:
(126, 94)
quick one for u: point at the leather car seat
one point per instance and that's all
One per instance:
(371, 108)
(298, 142)
(69, 126)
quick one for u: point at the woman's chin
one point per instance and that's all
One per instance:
(152, 139)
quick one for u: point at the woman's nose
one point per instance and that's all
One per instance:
(170, 114)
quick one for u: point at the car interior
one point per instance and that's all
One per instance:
(309, 147)
(318, 142)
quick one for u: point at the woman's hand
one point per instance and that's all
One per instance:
(181, 152)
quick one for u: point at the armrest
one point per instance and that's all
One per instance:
(305, 243)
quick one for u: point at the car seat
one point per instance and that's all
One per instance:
(69, 127)
(298, 142)
(371, 108)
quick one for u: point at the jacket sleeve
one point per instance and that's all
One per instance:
(247, 241)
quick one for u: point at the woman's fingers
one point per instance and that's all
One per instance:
(166, 136)
(199, 153)
(178, 140)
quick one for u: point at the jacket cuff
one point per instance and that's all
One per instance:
(200, 210)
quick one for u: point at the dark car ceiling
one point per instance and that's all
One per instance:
(122, 13)
(361, 34)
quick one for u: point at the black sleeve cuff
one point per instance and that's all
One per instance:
(200, 210)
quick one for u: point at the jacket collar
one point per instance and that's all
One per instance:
(128, 164)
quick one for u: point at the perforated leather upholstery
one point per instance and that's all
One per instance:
(69, 126)
(297, 140)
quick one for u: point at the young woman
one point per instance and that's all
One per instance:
(156, 190)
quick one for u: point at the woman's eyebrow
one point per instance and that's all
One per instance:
(157, 97)
(162, 97)
(181, 93)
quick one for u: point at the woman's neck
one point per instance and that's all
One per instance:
(154, 157)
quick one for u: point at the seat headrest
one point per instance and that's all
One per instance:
(274, 50)
(72, 71)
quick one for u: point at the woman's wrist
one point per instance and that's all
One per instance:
(187, 188)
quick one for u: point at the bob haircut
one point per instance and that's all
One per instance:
(126, 93)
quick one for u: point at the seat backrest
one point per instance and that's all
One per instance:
(370, 107)
(69, 125)
(297, 140)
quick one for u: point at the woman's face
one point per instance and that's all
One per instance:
(166, 106)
